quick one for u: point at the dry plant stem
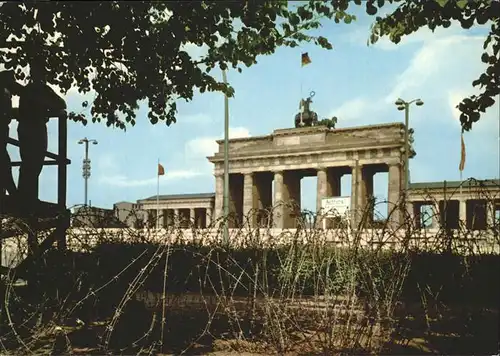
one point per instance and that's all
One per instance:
(9, 318)
(114, 279)
(164, 296)
(133, 287)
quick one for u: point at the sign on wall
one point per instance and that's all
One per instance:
(335, 206)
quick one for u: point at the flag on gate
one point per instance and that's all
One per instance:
(462, 154)
(305, 59)
(161, 170)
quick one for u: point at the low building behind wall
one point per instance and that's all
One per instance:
(470, 205)
(129, 213)
(182, 210)
(90, 216)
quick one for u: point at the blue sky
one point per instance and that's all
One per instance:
(354, 82)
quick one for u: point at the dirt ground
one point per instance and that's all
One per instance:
(456, 329)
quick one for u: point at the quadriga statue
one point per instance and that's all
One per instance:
(306, 117)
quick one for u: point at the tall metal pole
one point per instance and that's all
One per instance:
(407, 150)
(405, 105)
(86, 166)
(86, 176)
(226, 164)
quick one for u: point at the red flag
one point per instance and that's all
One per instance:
(161, 170)
(462, 155)
(305, 59)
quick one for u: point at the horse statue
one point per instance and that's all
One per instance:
(306, 117)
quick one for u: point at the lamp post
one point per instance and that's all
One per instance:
(405, 105)
(226, 164)
(86, 164)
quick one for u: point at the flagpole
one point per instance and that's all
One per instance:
(157, 195)
(462, 158)
(301, 93)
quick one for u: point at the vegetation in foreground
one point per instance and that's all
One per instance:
(306, 296)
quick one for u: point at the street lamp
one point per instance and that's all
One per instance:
(226, 164)
(405, 105)
(86, 164)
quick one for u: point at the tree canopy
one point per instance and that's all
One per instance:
(129, 52)
(412, 15)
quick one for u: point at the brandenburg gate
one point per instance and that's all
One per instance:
(287, 155)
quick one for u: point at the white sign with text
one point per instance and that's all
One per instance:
(335, 206)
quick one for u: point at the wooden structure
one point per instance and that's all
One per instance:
(51, 215)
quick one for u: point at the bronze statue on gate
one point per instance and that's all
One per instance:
(306, 117)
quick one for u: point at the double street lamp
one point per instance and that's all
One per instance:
(405, 105)
(86, 164)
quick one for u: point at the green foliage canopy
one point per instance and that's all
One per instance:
(129, 52)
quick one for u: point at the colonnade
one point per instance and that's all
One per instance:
(187, 217)
(250, 193)
(455, 213)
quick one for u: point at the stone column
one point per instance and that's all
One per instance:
(161, 218)
(334, 179)
(279, 208)
(176, 218)
(209, 217)
(321, 192)
(355, 177)
(263, 198)
(366, 192)
(490, 214)
(199, 218)
(235, 200)
(435, 215)
(145, 217)
(394, 195)
(219, 195)
(248, 212)
(291, 195)
(192, 217)
(168, 217)
(416, 214)
(462, 208)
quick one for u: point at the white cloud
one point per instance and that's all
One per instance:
(196, 119)
(195, 52)
(352, 109)
(436, 65)
(422, 35)
(201, 147)
(124, 182)
(440, 71)
(196, 151)
(107, 162)
(110, 174)
(361, 34)
(238, 132)
(455, 96)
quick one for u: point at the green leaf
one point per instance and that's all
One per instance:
(442, 3)
(462, 3)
